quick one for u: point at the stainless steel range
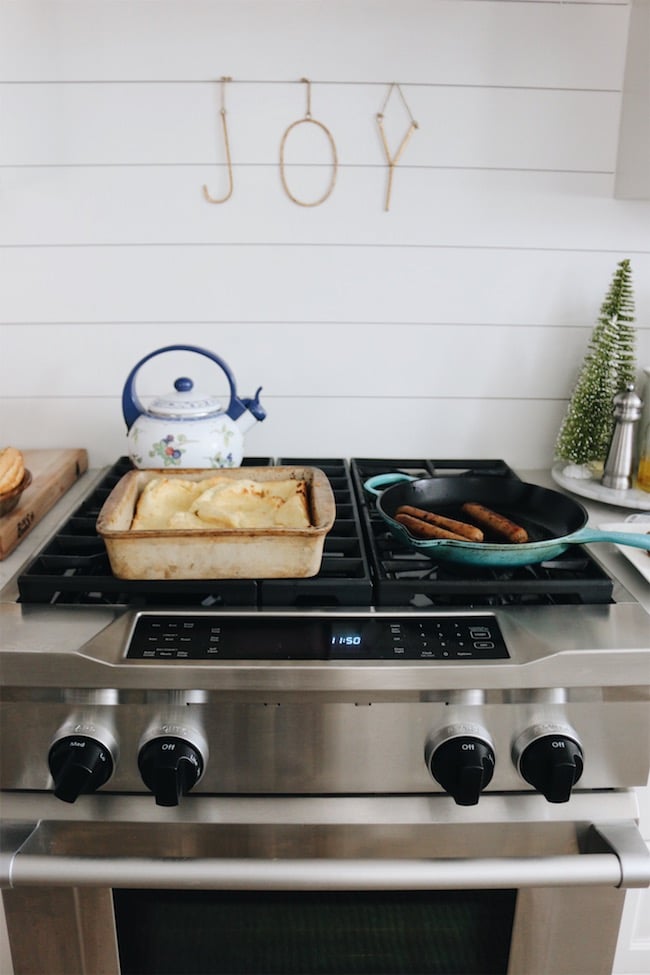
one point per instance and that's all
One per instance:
(393, 766)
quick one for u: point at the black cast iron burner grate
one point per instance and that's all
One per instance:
(73, 568)
(363, 564)
(404, 577)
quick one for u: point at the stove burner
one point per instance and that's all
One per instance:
(73, 568)
(405, 577)
(363, 563)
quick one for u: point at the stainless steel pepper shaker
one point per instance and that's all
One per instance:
(618, 472)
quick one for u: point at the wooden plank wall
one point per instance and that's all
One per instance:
(452, 325)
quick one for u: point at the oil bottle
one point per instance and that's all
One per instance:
(643, 472)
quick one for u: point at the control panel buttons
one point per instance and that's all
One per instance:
(79, 764)
(170, 767)
(177, 636)
(550, 760)
(462, 761)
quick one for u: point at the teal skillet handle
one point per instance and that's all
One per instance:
(382, 481)
(633, 539)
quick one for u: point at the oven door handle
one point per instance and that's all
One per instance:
(614, 855)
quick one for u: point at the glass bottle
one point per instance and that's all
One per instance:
(643, 473)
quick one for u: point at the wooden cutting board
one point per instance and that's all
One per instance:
(53, 473)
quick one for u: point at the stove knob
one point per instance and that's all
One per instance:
(170, 767)
(549, 760)
(79, 764)
(461, 760)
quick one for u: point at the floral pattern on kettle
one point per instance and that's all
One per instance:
(170, 449)
(221, 458)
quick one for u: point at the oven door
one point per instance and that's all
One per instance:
(320, 885)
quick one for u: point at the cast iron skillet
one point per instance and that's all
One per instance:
(552, 520)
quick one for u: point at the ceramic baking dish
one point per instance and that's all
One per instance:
(218, 553)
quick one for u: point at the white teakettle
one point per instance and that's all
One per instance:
(184, 429)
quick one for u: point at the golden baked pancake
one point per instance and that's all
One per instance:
(222, 502)
(161, 498)
(254, 504)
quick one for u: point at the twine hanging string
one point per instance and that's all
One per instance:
(335, 163)
(393, 160)
(224, 127)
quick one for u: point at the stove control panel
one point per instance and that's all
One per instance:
(158, 636)
(172, 756)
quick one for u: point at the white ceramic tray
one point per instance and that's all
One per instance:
(590, 488)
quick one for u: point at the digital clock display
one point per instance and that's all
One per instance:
(346, 640)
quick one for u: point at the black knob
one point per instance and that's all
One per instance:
(170, 767)
(79, 764)
(463, 766)
(552, 764)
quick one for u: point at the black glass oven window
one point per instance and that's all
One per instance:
(314, 933)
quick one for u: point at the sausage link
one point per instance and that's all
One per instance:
(496, 523)
(424, 529)
(468, 532)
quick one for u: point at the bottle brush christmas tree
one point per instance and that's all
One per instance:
(609, 367)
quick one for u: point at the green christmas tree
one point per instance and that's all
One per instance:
(609, 367)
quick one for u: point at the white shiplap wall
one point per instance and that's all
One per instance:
(452, 325)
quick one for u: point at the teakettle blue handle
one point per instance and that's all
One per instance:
(373, 484)
(132, 408)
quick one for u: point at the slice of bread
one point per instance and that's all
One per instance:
(12, 469)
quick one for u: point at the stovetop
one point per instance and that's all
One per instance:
(363, 564)
(333, 684)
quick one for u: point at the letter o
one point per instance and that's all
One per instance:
(335, 162)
